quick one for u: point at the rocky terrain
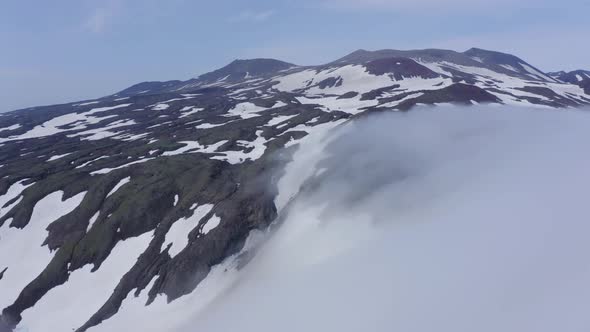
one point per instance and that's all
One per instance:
(144, 192)
(580, 78)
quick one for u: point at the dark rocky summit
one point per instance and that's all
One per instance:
(244, 69)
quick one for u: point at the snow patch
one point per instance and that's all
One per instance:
(91, 161)
(160, 107)
(536, 72)
(194, 147)
(69, 306)
(177, 236)
(107, 170)
(279, 119)
(509, 67)
(59, 156)
(118, 186)
(21, 250)
(236, 157)
(13, 191)
(51, 127)
(245, 110)
(187, 111)
(13, 127)
(210, 125)
(92, 221)
(211, 224)
(87, 103)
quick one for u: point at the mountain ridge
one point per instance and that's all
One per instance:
(360, 55)
(150, 189)
(499, 61)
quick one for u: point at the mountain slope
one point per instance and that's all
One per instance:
(580, 78)
(244, 69)
(148, 190)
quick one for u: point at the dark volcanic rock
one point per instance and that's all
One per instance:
(505, 63)
(243, 69)
(147, 87)
(399, 68)
(330, 82)
(349, 95)
(457, 94)
(427, 55)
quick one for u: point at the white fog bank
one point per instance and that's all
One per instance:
(444, 220)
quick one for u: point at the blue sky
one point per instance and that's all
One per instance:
(66, 50)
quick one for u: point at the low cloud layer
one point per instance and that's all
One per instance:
(433, 220)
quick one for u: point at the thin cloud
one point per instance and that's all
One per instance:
(102, 17)
(410, 5)
(465, 218)
(98, 20)
(253, 16)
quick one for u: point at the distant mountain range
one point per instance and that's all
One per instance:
(143, 192)
(580, 78)
(507, 78)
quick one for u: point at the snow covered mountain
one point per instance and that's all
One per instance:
(580, 78)
(146, 192)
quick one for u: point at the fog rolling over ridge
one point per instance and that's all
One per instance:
(445, 219)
